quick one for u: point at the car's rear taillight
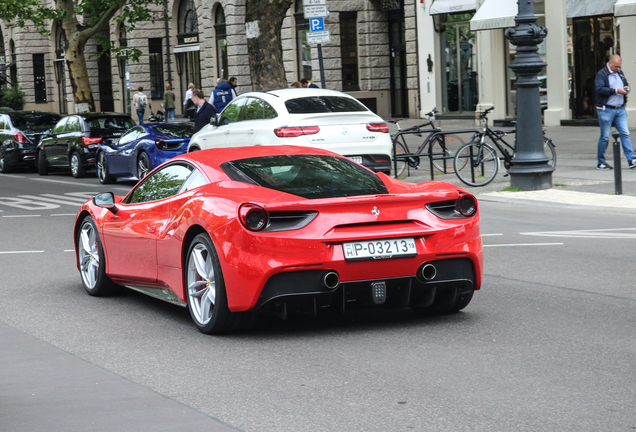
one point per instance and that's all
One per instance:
(294, 131)
(467, 205)
(18, 137)
(161, 145)
(86, 141)
(378, 127)
(253, 217)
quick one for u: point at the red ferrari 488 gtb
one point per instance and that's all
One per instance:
(235, 232)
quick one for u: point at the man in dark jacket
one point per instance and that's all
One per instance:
(611, 95)
(222, 95)
(306, 84)
(204, 113)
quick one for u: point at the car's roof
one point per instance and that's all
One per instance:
(102, 114)
(30, 112)
(293, 93)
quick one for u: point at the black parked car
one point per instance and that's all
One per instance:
(20, 133)
(75, 139)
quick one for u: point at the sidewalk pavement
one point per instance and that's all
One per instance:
(576, 181)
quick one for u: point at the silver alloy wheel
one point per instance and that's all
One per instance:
(143, 166)
(201, 283)
(1, 160)
(75, 162)
(89, 255)
(101, 171)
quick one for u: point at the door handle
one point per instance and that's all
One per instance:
(151, 229)
(227, 132)
(251, 131)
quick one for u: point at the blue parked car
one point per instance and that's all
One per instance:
(141, 149)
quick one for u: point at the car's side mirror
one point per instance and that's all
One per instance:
(213, 120)
(106, 200)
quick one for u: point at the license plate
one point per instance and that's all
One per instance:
(356, 159)
(379, 249)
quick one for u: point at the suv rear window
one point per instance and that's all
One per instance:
(175, 130)
(27, 121)
(308, 176)
(323, 104)
(110, 123)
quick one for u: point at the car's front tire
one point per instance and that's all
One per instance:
(41, 162)
(143, 165)
(206, 293)
(4, 167)
(77, 167)
(102, 170)
(92, 264)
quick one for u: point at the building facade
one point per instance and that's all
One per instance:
(372, 55)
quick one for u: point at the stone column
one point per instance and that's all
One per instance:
(557, 58)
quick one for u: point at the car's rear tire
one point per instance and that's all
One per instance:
(206, 293)
(77, 167)
(41, 162)
(102, 169)
(4, 167)
(92, 263)
(143, 165)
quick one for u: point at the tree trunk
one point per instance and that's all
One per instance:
(76, 62)
(263, 22)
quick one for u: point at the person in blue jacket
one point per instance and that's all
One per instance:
(222, 95)
(611, 94)
(306, 84)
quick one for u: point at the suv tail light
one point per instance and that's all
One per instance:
(378, 127)
(86, 141)
(18, 137)
(294, 131)
(161, 145)
(253, 217)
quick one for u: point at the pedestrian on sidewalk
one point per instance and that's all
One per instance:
(611, 95)
(222, 95)
(204, 111)
(188, 105)
(140, 101)
(168, 102)
(307, 84)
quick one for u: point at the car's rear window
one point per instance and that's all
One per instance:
(28, 121)
(308, 176)
(323, 104)
(110, 123)
(175, 130)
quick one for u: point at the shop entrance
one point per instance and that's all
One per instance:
(459, 73)
(593, 42)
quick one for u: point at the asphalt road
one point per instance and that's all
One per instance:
(546, 345)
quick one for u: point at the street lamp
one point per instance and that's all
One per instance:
(58, 64)
(530, 170)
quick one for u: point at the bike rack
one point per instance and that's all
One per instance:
(431, 156)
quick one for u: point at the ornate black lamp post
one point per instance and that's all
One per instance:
(531, 170)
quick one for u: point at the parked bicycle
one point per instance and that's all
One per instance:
(484, 161)
(441, 148)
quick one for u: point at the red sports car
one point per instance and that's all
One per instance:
(234, 232)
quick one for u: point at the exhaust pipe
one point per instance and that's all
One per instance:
(428, 271)
(330, 280)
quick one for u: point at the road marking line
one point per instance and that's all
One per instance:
(20, 252)
(69, 250)
(51, 200)
(20, 216)
(525, 244)
(490, 235)
(77, 183)
(66, 197)
(605, 233)
(65, 214)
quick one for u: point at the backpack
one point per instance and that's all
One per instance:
(141, 101)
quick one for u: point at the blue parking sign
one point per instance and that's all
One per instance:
(316, 24)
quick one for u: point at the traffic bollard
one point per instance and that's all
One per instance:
(618, 178)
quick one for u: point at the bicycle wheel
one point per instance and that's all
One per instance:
(447, 146)
(479, 164)
(400, 149)
(550, 151)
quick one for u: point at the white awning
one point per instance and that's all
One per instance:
(494, 14)
(452, 6)
(186, 48)
(582, 8)
(625, 8)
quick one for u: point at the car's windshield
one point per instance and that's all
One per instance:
(175, 130)
(323, 104)
(110, 122)
(34, 120)
(308, 176)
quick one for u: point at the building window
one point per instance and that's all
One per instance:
(156, 68)
(189, 66)
(349, 50)
(221, 43)
(303, 49)
(39, 77)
